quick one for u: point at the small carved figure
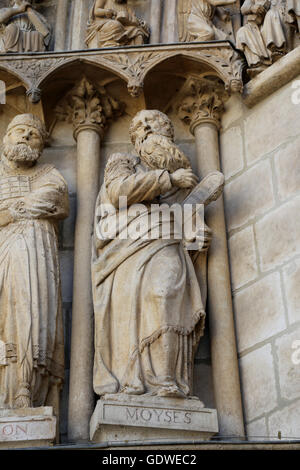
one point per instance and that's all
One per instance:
(113, 23)
(196, 20)
(262, 38)
(32, 199)
(293, 14)
(149, 312)
(25, 30)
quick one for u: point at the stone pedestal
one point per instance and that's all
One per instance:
(27, 427)
(122, 418)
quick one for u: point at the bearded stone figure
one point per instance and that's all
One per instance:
(33, 198)
(113, 23)
(25, 30)
(149, 311)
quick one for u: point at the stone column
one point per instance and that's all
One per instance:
(89, 110)
(61, 25)
(201, 107)
(169, 33)
(79, 24)
(155, 21)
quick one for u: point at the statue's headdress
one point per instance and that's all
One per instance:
(29, 120)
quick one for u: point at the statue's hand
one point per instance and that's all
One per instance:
(110, 14)
(22, 7)
(184, 178)
(259, 10)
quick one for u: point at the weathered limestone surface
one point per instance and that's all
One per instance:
(258, 383)
(291, 276)
(249, 195)
(286, 422)
(232, 152)
(243, 257)
(259, 141)
(288, 366)
(287, 169)
(278, 235)
(259, 311)
(257, 430)
(264, 247)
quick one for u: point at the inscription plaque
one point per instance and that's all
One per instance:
(157, 415)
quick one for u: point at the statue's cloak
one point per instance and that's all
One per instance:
(142, 289)
(31, 328)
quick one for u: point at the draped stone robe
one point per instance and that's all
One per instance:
(31, 329)
(143, 290)
(258, 41)
(20, 35)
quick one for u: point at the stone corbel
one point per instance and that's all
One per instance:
(34, 95)
(90, 110)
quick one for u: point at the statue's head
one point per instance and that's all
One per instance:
(24, 139)
(155, 128)
(149, 122)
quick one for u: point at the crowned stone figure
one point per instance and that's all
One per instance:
(33, 198)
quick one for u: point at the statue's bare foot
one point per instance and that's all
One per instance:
(132, 391)
(170, 391)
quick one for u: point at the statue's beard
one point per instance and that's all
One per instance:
(21, 153)
(165, 156)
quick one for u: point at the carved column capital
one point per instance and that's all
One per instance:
(202, 100)
(88, 107)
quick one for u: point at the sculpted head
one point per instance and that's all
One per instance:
(149, 122)
(24, 139)
(152, 134)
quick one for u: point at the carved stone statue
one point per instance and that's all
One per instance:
(262, 38)
(113, 23)
(25, 30)
(293, 14)
(293, 8)
(149, 313)
(195, 20)
(33, 198)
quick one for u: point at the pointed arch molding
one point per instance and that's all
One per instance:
(131, 64)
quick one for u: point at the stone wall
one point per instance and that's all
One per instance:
(260, 150)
